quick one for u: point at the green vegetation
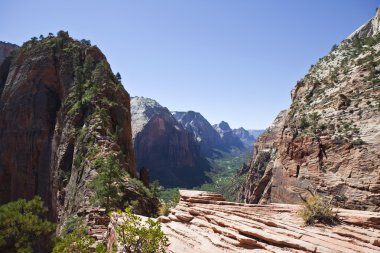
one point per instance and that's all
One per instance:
(72, 223)
(224, 174)
(136, 235)
(24, 227)
(169, 198)
(76, 241)
(317, 209)
(108, 183)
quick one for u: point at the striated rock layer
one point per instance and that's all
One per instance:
(204, 222)
(61, 109)
(329, 138)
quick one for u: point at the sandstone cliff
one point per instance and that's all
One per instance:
(328, 140)
(61, 109)
(164, 147)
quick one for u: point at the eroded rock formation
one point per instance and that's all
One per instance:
(61, 109)
(329, 138)
(204, 222)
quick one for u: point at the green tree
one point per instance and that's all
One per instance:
(118, 77)
(108, 183)
(88, 67)
(24, 228)
(136, 235)
(77, 241)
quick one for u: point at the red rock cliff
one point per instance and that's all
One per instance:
(61, 107)
(329, 138)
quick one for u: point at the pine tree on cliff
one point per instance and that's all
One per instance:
(108, 183)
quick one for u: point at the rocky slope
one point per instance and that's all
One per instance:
(164, 147)
(203, 132)
(61, 110)
(328, 140)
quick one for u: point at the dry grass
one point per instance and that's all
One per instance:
(317, 208)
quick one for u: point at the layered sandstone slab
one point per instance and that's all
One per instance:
(204, 222)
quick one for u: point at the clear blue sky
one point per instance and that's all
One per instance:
(233, 60)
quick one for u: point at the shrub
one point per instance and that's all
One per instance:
(358, 142)
(72, 223)
(317, 209)
(140, 187)
(23, 226)
(79, 242)
(136, 235)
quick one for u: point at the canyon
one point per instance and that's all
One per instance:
(63, 111)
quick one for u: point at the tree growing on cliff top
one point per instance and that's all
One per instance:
(108, 183)
(24, 228)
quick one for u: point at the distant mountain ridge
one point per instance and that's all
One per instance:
(228, 136)
(6, 50)
(201, 129)
(164, 147)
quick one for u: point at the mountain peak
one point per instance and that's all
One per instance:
(224, 126)
(371, 28)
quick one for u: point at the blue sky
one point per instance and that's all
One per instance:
(233, 60)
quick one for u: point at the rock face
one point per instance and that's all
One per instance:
(229, 139)
(328, 140)
(164, 147)
(5, 50)
(204, 222)
(207, 137)
(61, 109)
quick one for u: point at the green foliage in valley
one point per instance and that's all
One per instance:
(224, 174)
(169, 198)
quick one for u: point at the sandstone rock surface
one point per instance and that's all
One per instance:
(204, 222)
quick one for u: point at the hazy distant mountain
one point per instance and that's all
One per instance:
(207, 137)
(6, 50)
(245, 137)
(229, 139)
(256, 133)
(164, 147)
